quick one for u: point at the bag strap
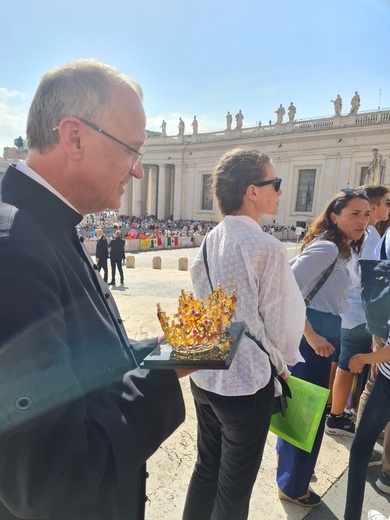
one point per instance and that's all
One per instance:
(206, 262)
(320, 283)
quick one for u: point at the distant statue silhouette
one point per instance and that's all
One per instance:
(239, 118)
(338, 104)
(229, 120)
(279, 114)
(355, 103)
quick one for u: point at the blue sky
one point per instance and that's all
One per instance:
(204, 57)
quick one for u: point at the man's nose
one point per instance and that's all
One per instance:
(138, 171)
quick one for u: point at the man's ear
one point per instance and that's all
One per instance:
(71, 135)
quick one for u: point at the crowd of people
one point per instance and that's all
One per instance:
(80, 417)
(138, 227)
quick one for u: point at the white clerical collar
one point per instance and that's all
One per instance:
(22, 166)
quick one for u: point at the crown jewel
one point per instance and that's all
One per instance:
(197, 325)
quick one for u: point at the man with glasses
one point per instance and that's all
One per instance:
(78, 417)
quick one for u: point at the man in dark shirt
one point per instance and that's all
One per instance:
(79, 418)
(116, 248)
(102, 253)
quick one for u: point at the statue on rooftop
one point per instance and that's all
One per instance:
(239, 118)
(338, 104)
(194, 125)
(355, 103)
(229, 120)
(164, 128)
(181, 126)
(279, 114)
(292, 110)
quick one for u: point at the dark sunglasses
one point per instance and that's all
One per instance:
(349, 191)
(276, 182)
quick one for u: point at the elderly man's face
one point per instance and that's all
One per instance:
(108, 165)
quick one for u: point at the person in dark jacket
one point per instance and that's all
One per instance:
(116, 248)
(79, 418)
(102, 253)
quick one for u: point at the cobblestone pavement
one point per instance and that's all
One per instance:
(171, 466)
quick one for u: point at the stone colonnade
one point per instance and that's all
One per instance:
(158, 194)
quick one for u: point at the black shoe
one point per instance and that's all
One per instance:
(342, 426)
(122, 282)
(111, 283)
(312, 500)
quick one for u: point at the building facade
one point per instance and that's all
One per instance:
(315, 158)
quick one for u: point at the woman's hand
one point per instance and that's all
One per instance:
(319, 344)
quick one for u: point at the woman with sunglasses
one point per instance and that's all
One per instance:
(233, 406)
(327, 247)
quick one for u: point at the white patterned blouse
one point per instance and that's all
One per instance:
(268, 301)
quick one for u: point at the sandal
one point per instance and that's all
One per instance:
(311, 501)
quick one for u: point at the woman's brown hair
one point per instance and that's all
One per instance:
(235, 171)
(324, 227)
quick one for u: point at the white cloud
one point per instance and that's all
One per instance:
(13, 117)
(10, 94)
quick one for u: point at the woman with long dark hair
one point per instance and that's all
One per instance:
(321, 273)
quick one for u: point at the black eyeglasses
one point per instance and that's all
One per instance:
(349, 191)
(276, 182)
(95, 127)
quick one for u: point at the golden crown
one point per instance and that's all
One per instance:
(197, 325)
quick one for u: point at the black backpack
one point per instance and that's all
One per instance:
(375, 293)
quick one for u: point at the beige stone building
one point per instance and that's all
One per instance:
(315, 158)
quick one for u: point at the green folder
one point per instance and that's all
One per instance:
(303, 415)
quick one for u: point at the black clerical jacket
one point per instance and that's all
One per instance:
(78, 419)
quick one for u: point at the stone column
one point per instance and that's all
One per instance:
(162, 191)
(177, 195)
(124, 207)
(137, 197)
(149, 193)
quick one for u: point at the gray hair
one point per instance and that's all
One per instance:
(80, 88)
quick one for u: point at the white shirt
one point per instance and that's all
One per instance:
(386, 237)
(268, 301)
(355, 315)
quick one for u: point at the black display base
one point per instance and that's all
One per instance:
(219, 358)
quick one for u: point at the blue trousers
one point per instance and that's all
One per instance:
(375, 416)
(295, 466)
(231, 436)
